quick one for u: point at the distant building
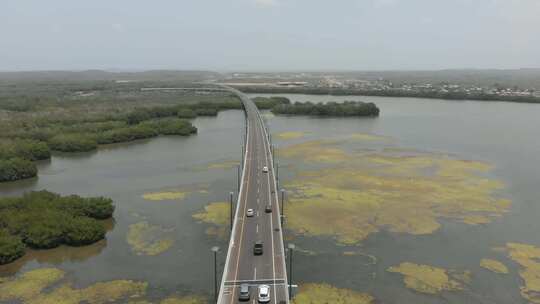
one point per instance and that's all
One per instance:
(291, 83)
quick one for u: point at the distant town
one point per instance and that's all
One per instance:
(308, 82)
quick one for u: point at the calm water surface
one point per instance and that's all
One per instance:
(503, 134)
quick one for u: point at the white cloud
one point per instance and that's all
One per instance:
(266, 3)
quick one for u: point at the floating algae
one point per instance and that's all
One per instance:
(429, 279)
(324, 294)
(228, 164)
(493, 265)
(217, 214)
(185, 300)
(29, 284)
(290, 135)
(29, 288)
(146, 239)
(367, 137)
(166, 195)
(362, 194)
(372, 258)
(315, 151)
(528, 257)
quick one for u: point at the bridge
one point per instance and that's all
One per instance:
(257, 190)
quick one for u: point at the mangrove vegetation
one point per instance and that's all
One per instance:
(348, 108)
(43, 219)
(33, 139)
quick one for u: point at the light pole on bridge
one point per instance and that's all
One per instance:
(231, 201)
(291, 249)
(238, 177)
(215, 249)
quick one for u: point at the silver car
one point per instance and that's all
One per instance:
(250, 212)
(264, 293)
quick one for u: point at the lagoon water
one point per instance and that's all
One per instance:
(505, 135)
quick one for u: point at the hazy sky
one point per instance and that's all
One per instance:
(269, 34)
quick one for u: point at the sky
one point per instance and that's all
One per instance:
(269, 35)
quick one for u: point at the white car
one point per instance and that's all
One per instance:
(265, 169)
(264, 293)
(250, 212)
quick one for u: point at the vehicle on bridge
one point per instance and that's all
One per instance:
(258, 248)
(244, 293)
(250, 212)
(265, 169)
(268, 208)
(264, 293)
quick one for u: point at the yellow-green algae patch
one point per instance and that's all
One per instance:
(528, 257)
(315, 151)
(146, 239)
(229, 164)
(367, 137)
(28, 285)
(29, 288)
(325, 294)
(429, 279)
(493, 265)
(217, 214)
(165, 195)
(291, 135)
(405, 194)
(185, 300)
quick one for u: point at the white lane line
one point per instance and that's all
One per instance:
(255, 273)
(257, 228)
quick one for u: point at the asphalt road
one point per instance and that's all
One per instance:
(258, 189)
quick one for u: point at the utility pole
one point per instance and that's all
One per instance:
(215, 249)
(238, 177)
(291, 249)
(231, 200)
(282, 210)
(277, 175)
(242, 162)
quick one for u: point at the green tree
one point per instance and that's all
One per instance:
(77, 142)
(16, 168)
(11, 247)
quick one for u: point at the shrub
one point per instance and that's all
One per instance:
(265, 103)
(16, 168)
(44, 219)
(186, 113)
(11, 247)
(32, 149)
(44, 232)
(176, 127)
(127, 134)
(97, 207)
(207, 112)
(76, 142)
(348, 108)
(83, 231)
(25, 149)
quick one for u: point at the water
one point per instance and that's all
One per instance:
(503, 134)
